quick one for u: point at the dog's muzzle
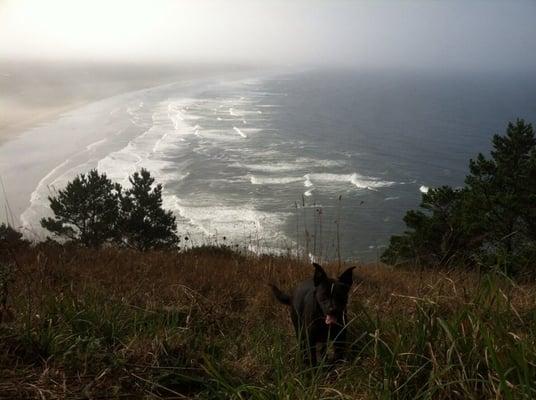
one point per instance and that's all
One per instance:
(330, 319)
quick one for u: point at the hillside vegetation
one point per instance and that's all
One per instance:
(115, 323)
(491, 220)
(122, 306)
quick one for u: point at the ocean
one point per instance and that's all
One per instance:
(316, 161)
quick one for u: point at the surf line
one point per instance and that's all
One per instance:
(240, 132)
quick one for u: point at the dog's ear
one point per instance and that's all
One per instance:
(346, 277)
(320, 275)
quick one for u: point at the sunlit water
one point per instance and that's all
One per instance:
(260, 161)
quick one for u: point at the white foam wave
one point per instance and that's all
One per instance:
(301, 163)
(37, 194)
(239, 131)
(235, 222)
(145, 150)
(323, 179)
(355, 179)
(315, 162)
(275, 167)
(136, 114)
(96, 144)
(175, 116)
(132, 110)
(257, 180)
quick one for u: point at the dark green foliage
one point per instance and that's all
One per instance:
(502, 205)
(10, 238)
(492, 219)
(437, 235)
(10, 241)
(8, 234)
(145, 224)
(92, 211)
(86, 211)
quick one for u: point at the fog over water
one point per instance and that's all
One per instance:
(386, 34)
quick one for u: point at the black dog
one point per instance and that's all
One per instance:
(318, 311)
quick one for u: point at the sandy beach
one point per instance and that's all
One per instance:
(65, 107)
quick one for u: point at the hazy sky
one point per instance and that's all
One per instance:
(404, 33)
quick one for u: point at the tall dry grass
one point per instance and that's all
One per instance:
(112, 323)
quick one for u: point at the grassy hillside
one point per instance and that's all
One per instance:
(202, 324)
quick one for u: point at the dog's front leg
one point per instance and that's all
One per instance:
(307, 348)
(323, 351)
(339, 344)
(311, 350)
(308, 352)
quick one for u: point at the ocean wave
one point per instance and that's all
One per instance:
(318, 162)
(174, 115)
(239, 131)
(96, 144)
(355, 179)
(275, 167)
(132, 133)
(146, 150)
(323, 179)
(235, 222)
(257, 180)
(301, 163)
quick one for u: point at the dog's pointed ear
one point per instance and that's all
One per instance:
(346, 277)
(320, 275)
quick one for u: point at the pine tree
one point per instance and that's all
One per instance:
(86, 211)
(492, 219)
(436, 235)
(502, 205)
(145, 224)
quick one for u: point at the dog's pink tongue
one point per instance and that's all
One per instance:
(330, 319)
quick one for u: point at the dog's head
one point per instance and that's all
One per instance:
(332, 294)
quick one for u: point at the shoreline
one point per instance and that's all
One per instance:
(34, 93)
(78, 138)
(65, 132)
(74, 134)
